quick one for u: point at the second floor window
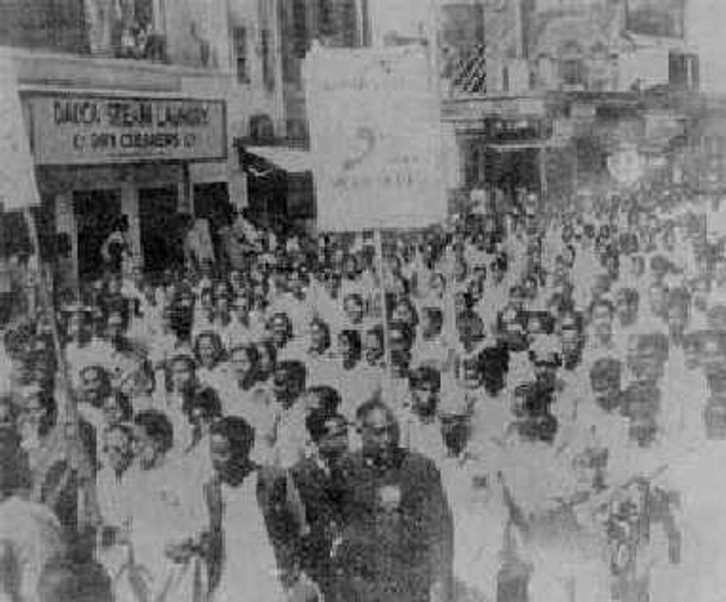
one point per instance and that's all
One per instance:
(239, 39)
(572, 72)
(268, 65)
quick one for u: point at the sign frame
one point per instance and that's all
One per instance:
(29, 98)
(374, 167)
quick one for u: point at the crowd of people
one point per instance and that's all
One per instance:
(510, 407)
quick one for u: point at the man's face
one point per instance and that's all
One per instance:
(241, 364)
(200, 419)
(534, 328)
(118, 449)
(605, 389)
(222, 304)
(181, 375)
(112, 411)
(207, 352)
(349, 267)
(373, 348)
(317, 337)
(354, 310)
(345, 349)
(279, 331)
(377, 434)
(91, 384)
(146, 450)
(602, 322)
(334, 442)
(545, 373)
(403, 313)
(622, 308)
(285, 386)
(425, 399)
(206, 301)
(220, 452)
(30, 417)
(241, 309)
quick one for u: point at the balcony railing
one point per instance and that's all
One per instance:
(466, 70)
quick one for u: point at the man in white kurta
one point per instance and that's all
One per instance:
(167, 515)
(242, 559)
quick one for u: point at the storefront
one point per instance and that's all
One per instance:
(100, 157)
(280, 185)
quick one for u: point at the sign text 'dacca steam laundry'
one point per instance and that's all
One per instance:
(75, 129)
(375, 137)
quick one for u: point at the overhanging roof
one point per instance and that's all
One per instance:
(291, 160)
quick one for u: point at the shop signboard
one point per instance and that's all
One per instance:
(375, 138)
(74, 129)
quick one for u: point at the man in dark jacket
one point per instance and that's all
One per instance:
(317, 480)
(396, 537)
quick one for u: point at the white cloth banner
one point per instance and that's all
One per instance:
(17, 173)
(375, 137)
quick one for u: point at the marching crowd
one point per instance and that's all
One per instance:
(510, 407)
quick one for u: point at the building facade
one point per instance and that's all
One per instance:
(131, 108)
(543, 93)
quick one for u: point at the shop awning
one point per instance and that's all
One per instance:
(291, 160)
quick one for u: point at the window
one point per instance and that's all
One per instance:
(300, 35)
(59, 25)
(268, 65)
(326, 25)
(239, 36)
(571, 72)
(294, 39)
(663, 18)
(347, 23)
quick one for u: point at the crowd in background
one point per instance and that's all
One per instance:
(511, 407)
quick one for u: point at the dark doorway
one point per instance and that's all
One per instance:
(97, 212)
(161, 229)
(509, 170)
(211, 202)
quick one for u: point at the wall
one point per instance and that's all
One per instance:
(404, 18)
(705, 20)
(193, 24)
(256, 97)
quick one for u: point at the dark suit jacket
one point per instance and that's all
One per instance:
(397, 528)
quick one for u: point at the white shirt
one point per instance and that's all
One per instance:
(167, 507)
(249, 567)
(34, 537)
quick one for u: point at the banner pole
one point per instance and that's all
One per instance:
(377, 239)
(67, 408)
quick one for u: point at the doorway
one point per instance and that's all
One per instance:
(211, 202)
(97, 212)
(161, 230)
(509, 170)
